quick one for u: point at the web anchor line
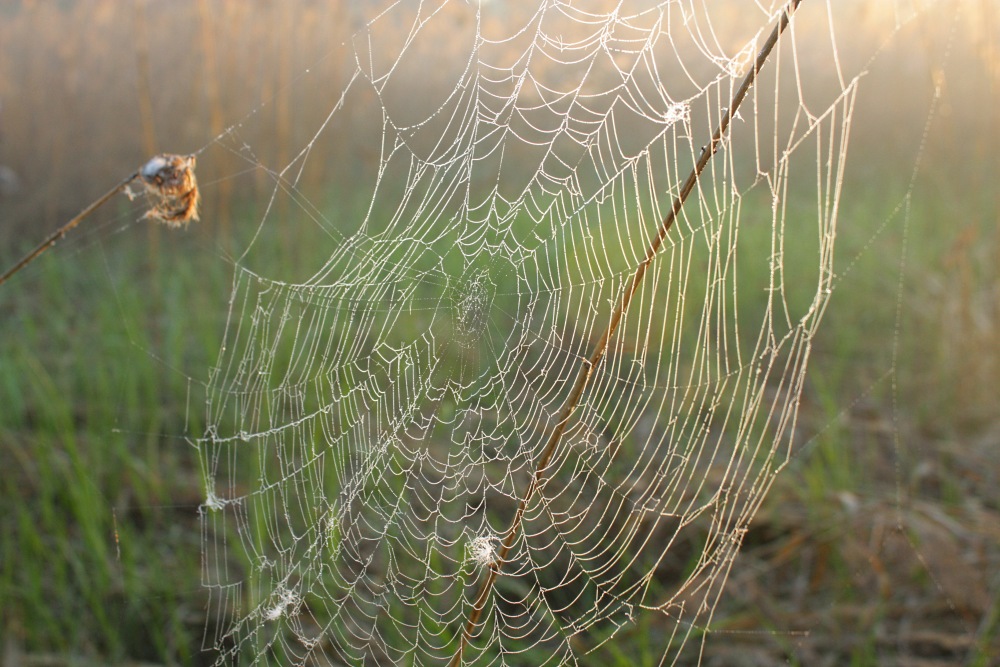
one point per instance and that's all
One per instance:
(588, 365)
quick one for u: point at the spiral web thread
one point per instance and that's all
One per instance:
(372, 430)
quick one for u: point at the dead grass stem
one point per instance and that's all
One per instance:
(169, 183)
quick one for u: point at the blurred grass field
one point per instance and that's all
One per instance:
(879, 544)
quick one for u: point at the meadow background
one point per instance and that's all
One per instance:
(880, 544)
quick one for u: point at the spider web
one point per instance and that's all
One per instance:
(372, 430)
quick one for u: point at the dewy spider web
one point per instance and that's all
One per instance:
(372, 430)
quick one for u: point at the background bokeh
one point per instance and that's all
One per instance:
(879, 543)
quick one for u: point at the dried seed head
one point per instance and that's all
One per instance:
(172, 189)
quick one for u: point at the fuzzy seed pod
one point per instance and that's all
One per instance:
(170, 183)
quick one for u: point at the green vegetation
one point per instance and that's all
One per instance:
(878, 544)
(101, 539)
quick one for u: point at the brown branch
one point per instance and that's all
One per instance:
(62, 231)
(588, 365)
(170, 187)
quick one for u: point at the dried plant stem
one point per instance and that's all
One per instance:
(145, 92)
(62, 231)
(208, 32)
(170, 186)
(147, 119)
(588, 365)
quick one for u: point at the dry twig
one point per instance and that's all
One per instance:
(169, 183)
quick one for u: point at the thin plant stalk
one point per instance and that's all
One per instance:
(170, 186)
(208, 32)
(147, 118)
(588, 365)
(62, 231)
